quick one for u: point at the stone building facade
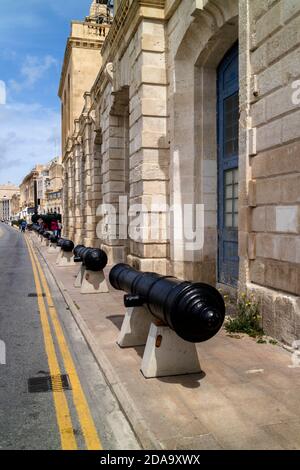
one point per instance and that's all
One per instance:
(15, 206)
(82, 63)
(54, 191)
(195, 103)
(33, 192)
(7, 192)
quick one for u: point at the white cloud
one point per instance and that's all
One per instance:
(29, 134)
(2, 92)
(32, 70)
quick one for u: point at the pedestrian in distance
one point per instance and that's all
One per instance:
(59, 228)
(23, 226)
(54, 227)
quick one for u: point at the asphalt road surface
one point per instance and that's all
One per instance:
(43, 343)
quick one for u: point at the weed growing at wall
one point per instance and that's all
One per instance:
(247, 319)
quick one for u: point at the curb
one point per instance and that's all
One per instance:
(127, 405)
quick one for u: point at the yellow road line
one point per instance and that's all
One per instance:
(64, 421)
(85, 418)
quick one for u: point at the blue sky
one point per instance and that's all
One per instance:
(33, 36)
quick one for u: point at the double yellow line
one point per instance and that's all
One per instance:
(64, 420)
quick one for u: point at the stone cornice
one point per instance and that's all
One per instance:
(128, 16)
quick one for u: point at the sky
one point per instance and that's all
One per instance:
(33, 36)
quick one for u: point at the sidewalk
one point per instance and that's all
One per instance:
(246, 398)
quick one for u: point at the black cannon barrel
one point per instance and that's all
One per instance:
(59, 241)
(77, 258)
(67, 245)
(53, 239)
(94, 259)
(195, 311)
(78, 251)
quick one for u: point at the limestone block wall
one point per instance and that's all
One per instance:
(94, 196)
(132, 113)
(274, 192)
(198, 35)
(90, 182)
(149, 143)
(69, 196)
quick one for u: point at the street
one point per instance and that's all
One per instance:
(52, 393)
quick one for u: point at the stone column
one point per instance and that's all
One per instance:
(149, 146)
(78, 156)
(65, 217)
(94, 195)
(88, 235)
(115, 125)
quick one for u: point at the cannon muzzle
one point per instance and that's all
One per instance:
(59, 241)
(195, 311)
(53, 239)
(66, 245)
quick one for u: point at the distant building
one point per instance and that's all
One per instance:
(6, 193)
(15, 206)
(41, 190)
(33, 192)
(54, 189)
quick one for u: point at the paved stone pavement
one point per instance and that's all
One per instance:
(246, 398)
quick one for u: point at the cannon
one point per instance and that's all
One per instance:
(67, 246)
(40, 233)
(195, 311)
(90, 277)
(77, 253)
(94, 259)
(53, 248)
(53, 239)
(45, 238)
(35, 229)
(65, 257)
(59, 241)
